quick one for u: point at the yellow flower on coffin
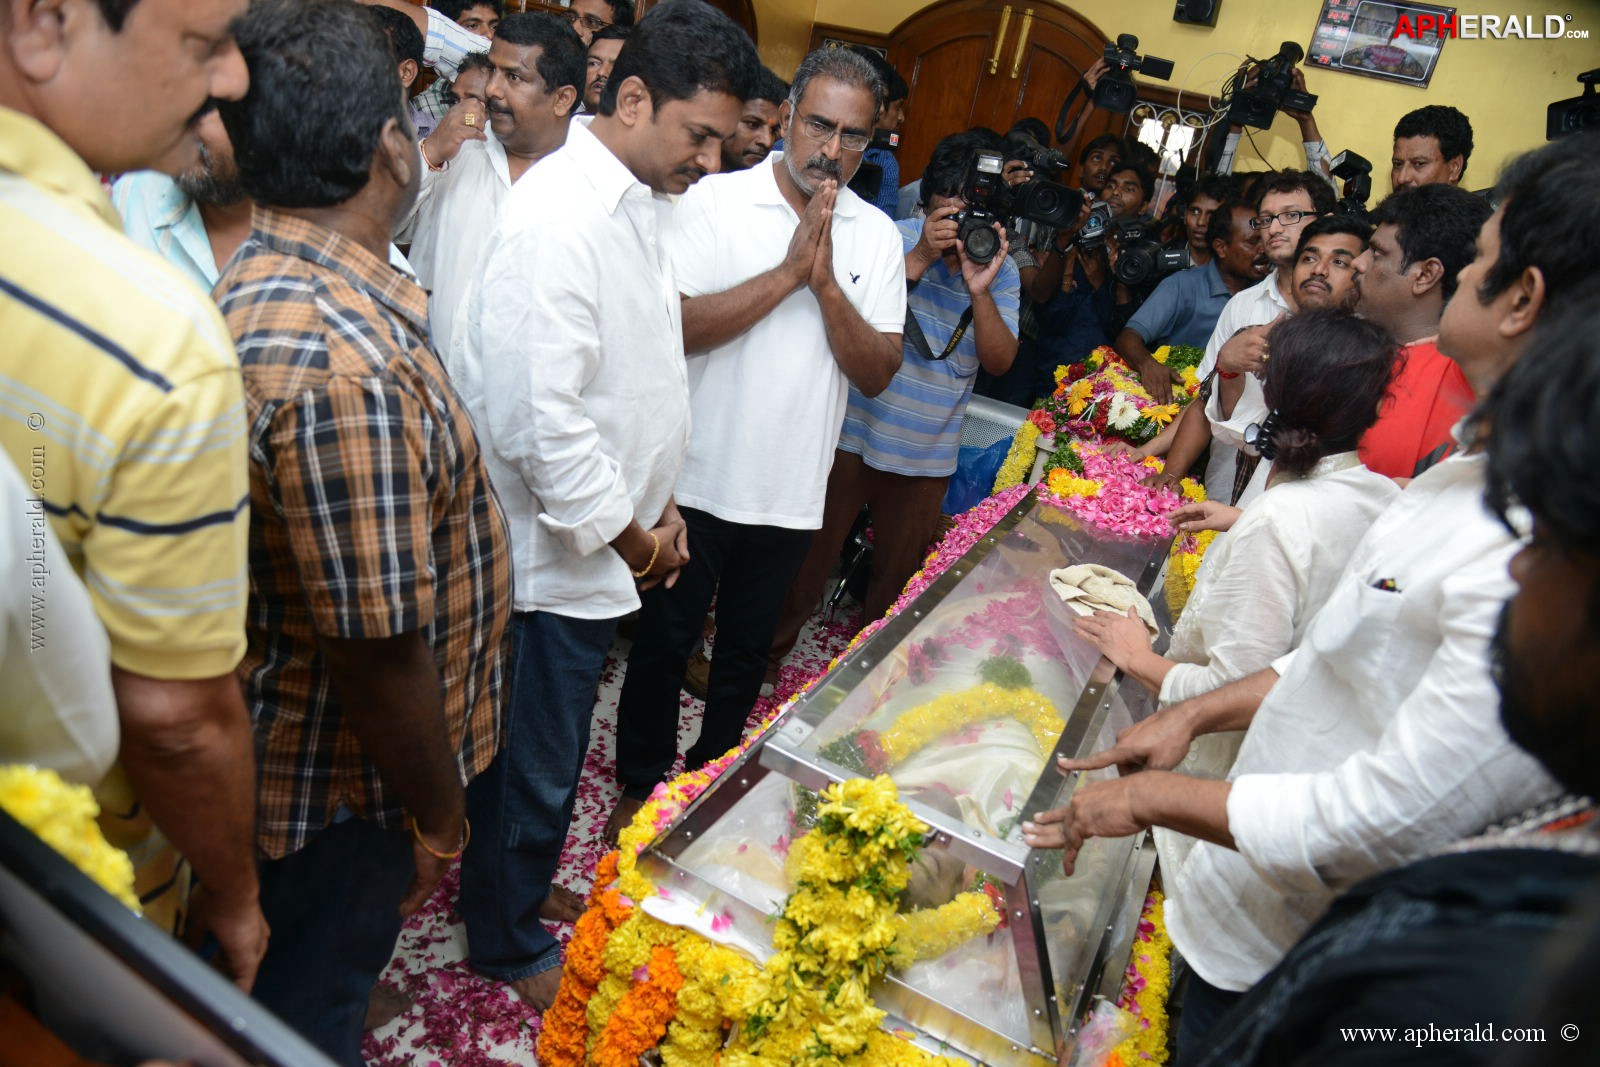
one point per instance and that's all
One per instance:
(1161, 414)
(1064, 483)
(1078, 396)
(1155, 463)
(1061, 372)
(62, 815)
(1192, 491)
(1162, 354)
(1191, 380)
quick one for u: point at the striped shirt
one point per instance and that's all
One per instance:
(914, 426)
(373, 517)
(118, 383)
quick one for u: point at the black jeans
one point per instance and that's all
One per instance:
(1202, 1007)
(749, 570)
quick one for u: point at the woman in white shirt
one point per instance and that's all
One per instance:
(1262, 582)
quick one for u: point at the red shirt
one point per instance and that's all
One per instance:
(1428, 397)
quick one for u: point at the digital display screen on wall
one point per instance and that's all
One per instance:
(1393, 41)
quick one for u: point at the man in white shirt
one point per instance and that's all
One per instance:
(794, 289)
(1379, 738)
(570, 359)
(538, 76)
(1289, 201)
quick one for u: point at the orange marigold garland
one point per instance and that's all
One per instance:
(564, 1036)
(643, 1013)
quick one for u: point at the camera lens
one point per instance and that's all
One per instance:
(980, 240)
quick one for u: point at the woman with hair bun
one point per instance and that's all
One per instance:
(1262, 582)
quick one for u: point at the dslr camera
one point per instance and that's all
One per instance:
(1116, 91)
(990, 200)
(1273, 90)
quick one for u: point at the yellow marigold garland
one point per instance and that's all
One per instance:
(1183, 565)
(1146, 988)
(916, 727)
(931, 932)
(1019, 460)
(63, 816)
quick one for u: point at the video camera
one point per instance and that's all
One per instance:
(1356, 173)
(1116, 91)
(1576, 113)
(990, 200)
(1256, 101)
(1021, 145)
(1140, 257)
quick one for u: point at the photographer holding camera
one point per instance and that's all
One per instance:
(898, 449)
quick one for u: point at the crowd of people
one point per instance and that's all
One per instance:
(342, 432)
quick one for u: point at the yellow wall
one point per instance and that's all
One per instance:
(784, 27)
(1503, 86)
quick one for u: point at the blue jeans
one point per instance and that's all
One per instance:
(334, 910)
(521, 806)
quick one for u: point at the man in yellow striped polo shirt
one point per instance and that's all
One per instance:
(120, 391)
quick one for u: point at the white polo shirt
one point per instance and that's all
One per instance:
(1255, 306)
(769, 404)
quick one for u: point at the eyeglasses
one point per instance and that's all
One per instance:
(822, 132)
(1287, 218)
(590, 23)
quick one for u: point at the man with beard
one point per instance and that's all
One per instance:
(538, 76)
(126, 373)
(380, 570)
(758, 128)
(1377, 741)
(1324, 275)
(794, 289)
(1407, 275)
(601, 57)
(569, 351)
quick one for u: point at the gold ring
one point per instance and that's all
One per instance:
(471, 119)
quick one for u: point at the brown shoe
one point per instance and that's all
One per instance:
(697, 676)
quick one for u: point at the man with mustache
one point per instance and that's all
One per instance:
(794, 289)
(1325, 275)
(139, 407)
(469, 169)
(758, 128)
(569, 354)
(1288, 202)
(602, 56)
(1405, 278)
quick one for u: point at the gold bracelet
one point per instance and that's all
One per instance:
(423, 152)
(653, 555)
(466, 839)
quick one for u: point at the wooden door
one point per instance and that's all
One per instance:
(989, 63)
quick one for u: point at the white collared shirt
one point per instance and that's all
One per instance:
(569, 355)
(1264, 580)
(1380, 741)
(1255, 306)
(449, 227)
(769, 404)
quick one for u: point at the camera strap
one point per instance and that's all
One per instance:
(920, 342)
(1063, 131)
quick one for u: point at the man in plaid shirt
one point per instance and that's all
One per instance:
(379, 565)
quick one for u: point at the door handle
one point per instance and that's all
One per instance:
(1022, 43)
(1000, 39)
